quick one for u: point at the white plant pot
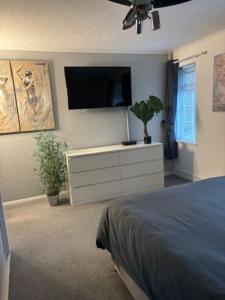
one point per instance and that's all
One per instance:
(53, 200)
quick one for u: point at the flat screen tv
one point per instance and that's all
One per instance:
(96, 87)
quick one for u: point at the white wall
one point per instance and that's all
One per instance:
(207, 158)
(84, 128)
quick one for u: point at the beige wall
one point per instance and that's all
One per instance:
(84, 128)
(207, 157)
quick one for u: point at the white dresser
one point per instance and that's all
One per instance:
(107, 172)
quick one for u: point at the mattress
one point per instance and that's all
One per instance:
(170, 242)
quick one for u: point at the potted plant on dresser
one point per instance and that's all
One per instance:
(145, 111)
(51, 159)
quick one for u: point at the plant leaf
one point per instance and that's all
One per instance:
(155, 104)
(50, 155)
(142, 111)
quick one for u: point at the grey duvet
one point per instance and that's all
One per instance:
(171, 242)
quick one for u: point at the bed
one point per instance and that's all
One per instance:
(170, 243)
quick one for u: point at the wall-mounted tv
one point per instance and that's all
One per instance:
(96, 87)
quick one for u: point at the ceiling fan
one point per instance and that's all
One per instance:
(141, 10)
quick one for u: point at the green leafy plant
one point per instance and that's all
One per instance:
(50, 155)
(145, 110)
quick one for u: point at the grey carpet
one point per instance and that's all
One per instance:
(174, 180)
(54, 256)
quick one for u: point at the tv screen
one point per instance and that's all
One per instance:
(95, 87)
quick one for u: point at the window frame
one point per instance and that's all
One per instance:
(182, 140)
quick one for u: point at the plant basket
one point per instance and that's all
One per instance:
(147, 139)
(53, 200)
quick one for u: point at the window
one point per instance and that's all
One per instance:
(185, 125)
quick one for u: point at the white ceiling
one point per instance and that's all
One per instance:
(96, 26)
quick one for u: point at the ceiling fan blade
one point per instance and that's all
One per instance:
(123, 2)
(140, 2)
(164, 3)
(130, 19)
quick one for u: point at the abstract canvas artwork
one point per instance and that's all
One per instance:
(9, 121)
(25, 97)
(33, 94)
(219, 83)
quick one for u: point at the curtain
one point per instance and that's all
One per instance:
(170, 147)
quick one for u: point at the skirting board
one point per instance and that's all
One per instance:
(30, 199)
(183, 175)
(133, 288)
(20, 201)
(168, 172)
(187, 176)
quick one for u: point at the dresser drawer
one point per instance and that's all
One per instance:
(142, 182)
(93, 177)
(96, 192)
(142, 168)
(90, 162)
(143, 154)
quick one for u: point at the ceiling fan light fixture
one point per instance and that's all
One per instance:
(139, 26)
(155, 20)
(141, 10)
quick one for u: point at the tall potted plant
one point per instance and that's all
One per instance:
(50, 155)
(145, 111)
